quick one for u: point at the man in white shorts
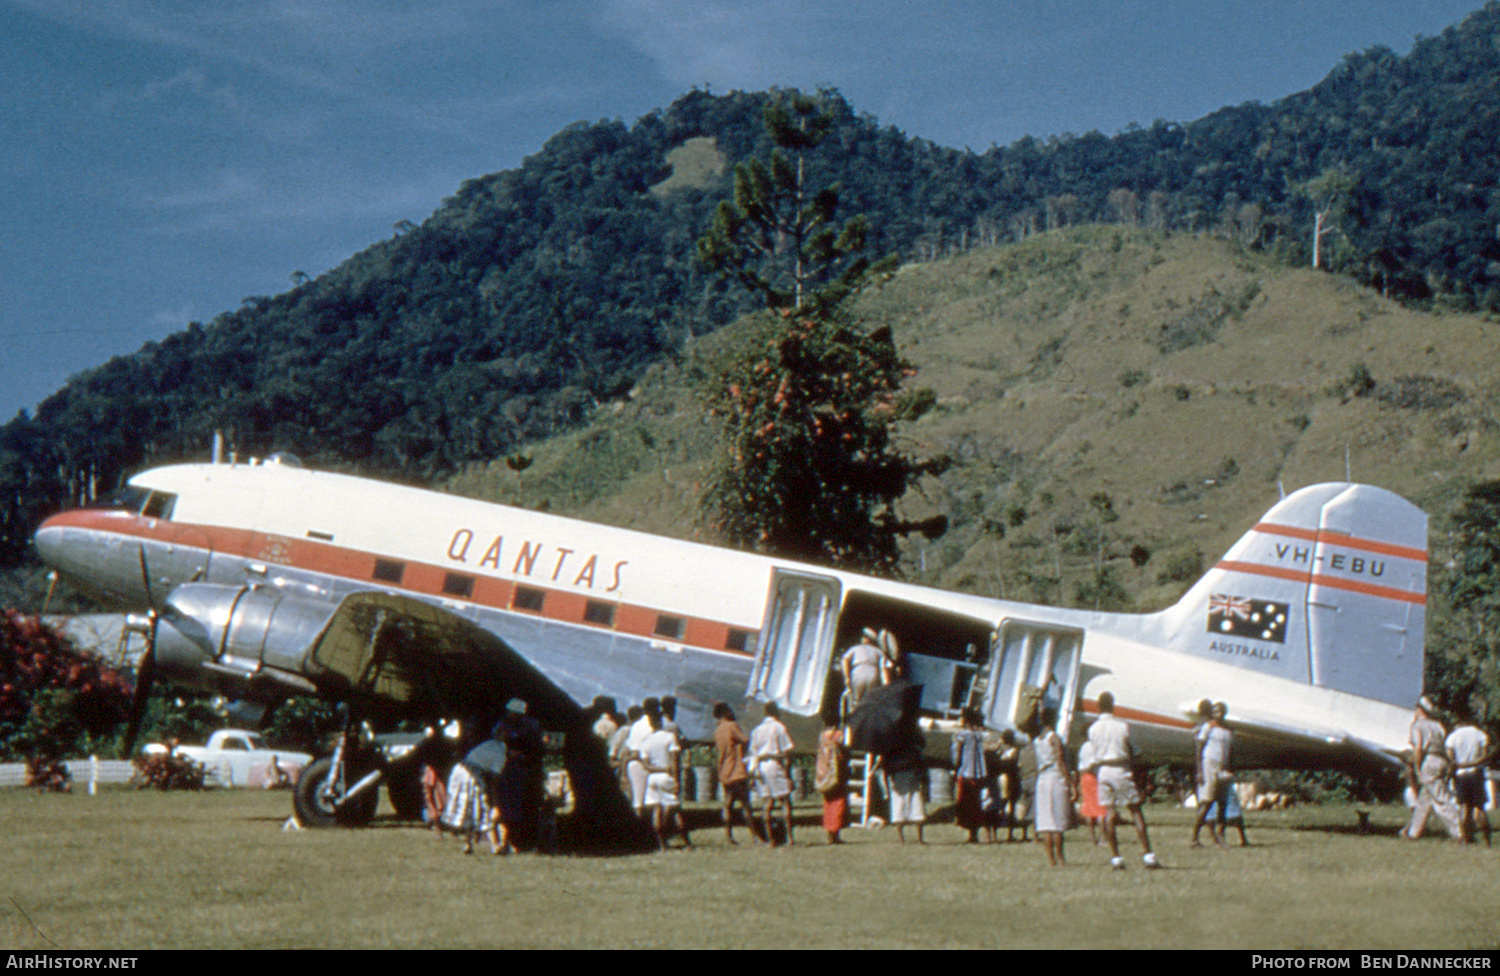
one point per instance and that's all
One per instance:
(1113, 758)
(659, 752)
(771, 746)
(863, 667)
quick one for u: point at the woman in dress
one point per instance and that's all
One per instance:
(831, 777)
(1055, 788)
(968, 770)
(469, 811)
(1088, 789)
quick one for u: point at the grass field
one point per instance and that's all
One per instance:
(215, 870)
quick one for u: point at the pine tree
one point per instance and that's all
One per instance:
(811, 471)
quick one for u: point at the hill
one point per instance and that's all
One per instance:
(533, 298)
(1120, 405)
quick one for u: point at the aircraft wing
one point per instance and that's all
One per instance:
(392, 653)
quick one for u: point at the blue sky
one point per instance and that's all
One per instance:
(163, 159)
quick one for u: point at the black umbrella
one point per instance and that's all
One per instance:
(886, 718)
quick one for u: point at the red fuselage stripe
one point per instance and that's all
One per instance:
(1343, 540)
(422, 578)
(1323, 579)
(1136, 715)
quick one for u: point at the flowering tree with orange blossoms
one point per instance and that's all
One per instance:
(810, 469)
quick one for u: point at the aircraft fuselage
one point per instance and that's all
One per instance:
(606, 611)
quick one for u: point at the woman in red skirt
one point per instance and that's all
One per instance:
(831, 777)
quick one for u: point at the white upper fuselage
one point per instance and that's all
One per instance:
(281, 525)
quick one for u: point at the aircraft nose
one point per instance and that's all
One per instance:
(49, 542)
(97, 561)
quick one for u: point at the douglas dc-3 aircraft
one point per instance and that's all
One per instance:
(266, 580)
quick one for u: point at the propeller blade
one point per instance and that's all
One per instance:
(145, 676)
(150, 599)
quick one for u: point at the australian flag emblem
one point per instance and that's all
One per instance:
(1237, 616)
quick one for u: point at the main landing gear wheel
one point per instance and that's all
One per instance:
(316, 798)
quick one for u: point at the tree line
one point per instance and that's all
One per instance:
(532, 295)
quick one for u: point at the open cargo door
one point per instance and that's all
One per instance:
(796, 642)
(1027, 654)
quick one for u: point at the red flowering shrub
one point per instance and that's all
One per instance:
(54, 701)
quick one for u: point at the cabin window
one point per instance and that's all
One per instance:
(159, 504)
(599, 612)
(672, 627)
(528, 598)
(389, 571)
(740, 640)
(457, 584)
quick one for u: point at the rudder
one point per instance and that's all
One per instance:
(1329, 588)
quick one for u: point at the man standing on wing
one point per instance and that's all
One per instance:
(1114, 757)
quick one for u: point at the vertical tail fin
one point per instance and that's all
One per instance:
(1329, 588)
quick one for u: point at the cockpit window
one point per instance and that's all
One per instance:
(139, 501)
(127, 499)
(159, 504)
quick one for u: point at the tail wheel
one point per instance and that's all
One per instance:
(318, 792)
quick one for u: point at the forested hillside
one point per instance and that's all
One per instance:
(533, 296)
(1119, 406)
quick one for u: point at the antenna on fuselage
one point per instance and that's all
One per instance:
(218, 451)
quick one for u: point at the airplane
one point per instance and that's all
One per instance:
(265, 580)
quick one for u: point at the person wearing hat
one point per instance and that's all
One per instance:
(519, 788)
(1430, 764)
(864, 667)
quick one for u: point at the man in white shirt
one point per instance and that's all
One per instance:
(635, 768)
(1469, 748)
(863, 667)
(771, 747)
(1114, 758)
(659, 753)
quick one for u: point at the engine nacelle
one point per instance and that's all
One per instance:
(241, 641)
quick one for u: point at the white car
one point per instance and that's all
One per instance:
(235, 757)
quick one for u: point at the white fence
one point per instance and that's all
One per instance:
(83, 771)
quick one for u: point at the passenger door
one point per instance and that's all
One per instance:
(796, 641)
(1025, 654)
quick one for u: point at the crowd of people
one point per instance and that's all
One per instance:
(490, 788)
(1001, 779)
